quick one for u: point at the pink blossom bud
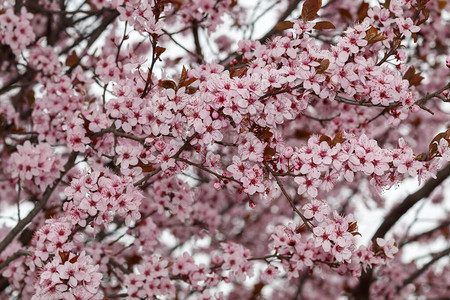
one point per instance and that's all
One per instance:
(448, 61)
(217, 185)
(288, 152)
(445, 94)
(215, 114)
(289, 35)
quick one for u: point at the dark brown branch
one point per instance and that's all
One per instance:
(198, 47)
(426, 233)
(432, 95)
(415, 275)
(363, 289)
(392, 218)
(292, 6)
(13, 257)
(181, 46)
(94, 36)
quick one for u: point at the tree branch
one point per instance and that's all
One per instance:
(410, 201)
(13, 257)
(423, 234)
(363, 289)
(294, 208)
(415, 275)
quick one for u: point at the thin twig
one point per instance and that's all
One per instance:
(415, 275)
(305, 221)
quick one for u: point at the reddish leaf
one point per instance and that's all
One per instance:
(310, 9)
(191, 90)
(133, 260)
(238, 72)
(324, 25)
(325, 138)
(74, 259)
(159, 51)
(324, 63)
(284, 25)
(338, 139)
(345, 14)
(397, 42)
(302, 134)
(426, 15)
(437, 138)
(64, 256)
(188, 82)
(147, 168)
(371, 33)
(167, 84)
(352, 227)
(442, 4)
(183, 76)
(423, 156)
(264, 134)
(269, 153)
(378, 38)
(362, 13)
(413, 78)
(72, 59)
(372, 36)
(416, 79)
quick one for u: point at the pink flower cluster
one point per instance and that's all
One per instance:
(16, 30)
(152, 279)
(44, 58)
(319, 164)
(54, 113)
(333, 242)
(51, 238)
(101, 196)
(172, 196)
(222, 153)
(140, 15)
(69, 276)
(35, 163)
(235, 259)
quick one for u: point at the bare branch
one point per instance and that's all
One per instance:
(392, 218)
(415, 275)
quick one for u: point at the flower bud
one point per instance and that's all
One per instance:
(288, 152)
